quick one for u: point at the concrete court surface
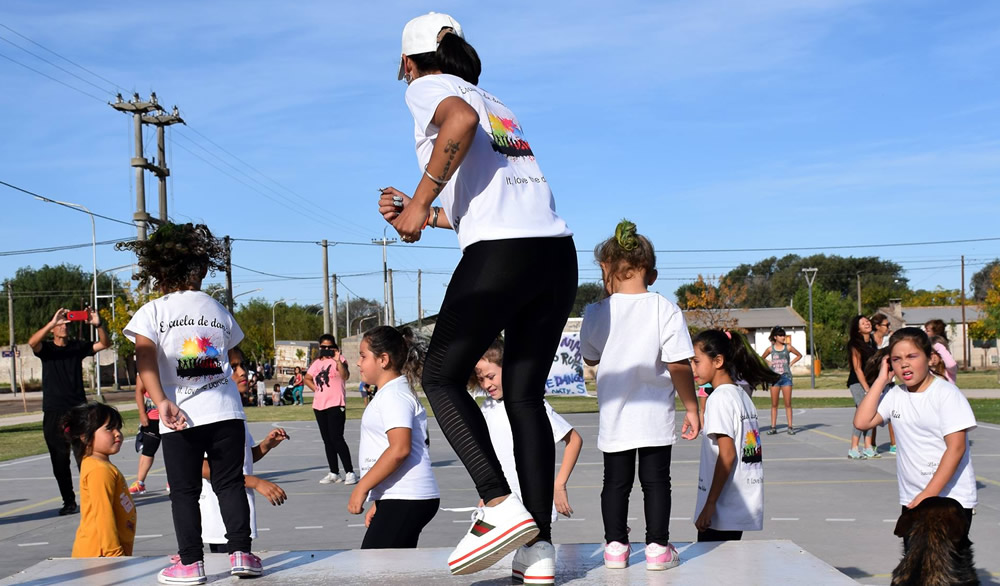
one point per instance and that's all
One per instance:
(841, 511)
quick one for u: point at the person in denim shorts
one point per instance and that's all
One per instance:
(781, 352)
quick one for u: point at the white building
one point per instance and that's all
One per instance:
(758, 321)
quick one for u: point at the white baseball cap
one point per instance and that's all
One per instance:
(420, 35)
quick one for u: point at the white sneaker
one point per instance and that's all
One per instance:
(534, 564)
(330, 478)
(660, 557)
(350, 478)
(495, 532)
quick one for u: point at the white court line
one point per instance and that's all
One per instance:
(835, 520)
(888, 520)
(33, 544)
(24, 461)
(459, 521)
(988, 427)
(149, 536)
(263, 529)
(680, 518)
(310, 527)
(784, 518)
(571, 519)
(357, 525)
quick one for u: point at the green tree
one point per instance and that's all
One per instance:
(38, 293)
(291, 322)
(937, 297)
(832, 313)
(709, 303)
(982, 282)
(988, 326)
(586, 294)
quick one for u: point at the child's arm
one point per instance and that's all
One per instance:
(767, 352)
(387, 463)
(720, 476)
(267, 489)
(149, 371)
(140, 401)
(798, 355)
(683, 379)
(953, 452)
(866, 416)
(574, 443)
(275, 437)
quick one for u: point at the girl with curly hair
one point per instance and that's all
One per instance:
(642, 342)
(183, 342)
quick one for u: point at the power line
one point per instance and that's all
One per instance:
(58, 248)
(285, 277)
(49, 200)
(59, 67)
(59, 81)
(841, 247)
(66, 59)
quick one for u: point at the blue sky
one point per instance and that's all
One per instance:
(714, 124)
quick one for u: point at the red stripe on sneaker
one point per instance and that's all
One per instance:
(492, 541)
(527, 577)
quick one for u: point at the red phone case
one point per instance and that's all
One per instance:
(82, 315)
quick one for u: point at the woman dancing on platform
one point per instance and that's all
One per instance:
(474, 156)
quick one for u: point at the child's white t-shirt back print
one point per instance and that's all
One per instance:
(193, 334)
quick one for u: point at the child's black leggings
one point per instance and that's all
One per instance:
(397, 523)
(183, 452)
(525, 288)
(654, 477)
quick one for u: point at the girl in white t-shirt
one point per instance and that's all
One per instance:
(731, 473)
(642, 343)
(488, 376)
(932, 419)
(396, 473)
(182, 344)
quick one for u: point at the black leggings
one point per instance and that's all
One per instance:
(654, 477)
(331, 429)
(59, 451)
(183, 451)
(525, 288)
(397, 523)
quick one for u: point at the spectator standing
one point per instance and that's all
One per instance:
(62, 389)
(325, 377)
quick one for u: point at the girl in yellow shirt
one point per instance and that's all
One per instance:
(108, 517)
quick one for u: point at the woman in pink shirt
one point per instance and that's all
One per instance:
(326, 376)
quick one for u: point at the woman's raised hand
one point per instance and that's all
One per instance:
(391, 203)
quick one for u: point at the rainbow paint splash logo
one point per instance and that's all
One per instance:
(751, 448)
(198, 358)
(507, 137)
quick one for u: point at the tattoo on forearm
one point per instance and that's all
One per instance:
(451, 149)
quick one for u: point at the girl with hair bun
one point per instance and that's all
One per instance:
(642, 343)
(517, 275)
(396, 474)
(731, 474)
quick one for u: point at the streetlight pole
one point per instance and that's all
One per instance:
(362, 320)
(93, 239)
(274, 332)
(113, 271)
(810, 275)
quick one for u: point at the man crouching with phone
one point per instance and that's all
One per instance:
(62, 387)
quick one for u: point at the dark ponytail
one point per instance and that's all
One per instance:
(453, 56)
(738, 358)
(404, 348)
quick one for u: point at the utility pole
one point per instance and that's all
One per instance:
(347, 312)
(420, 309)
(965, 325)
(160, 121)
(137, 107)
(13, 346)
(392, 307)
(333, 283)
(859, 292)
(229, 273)
(810, 275)
(385, 274)
(326, 288)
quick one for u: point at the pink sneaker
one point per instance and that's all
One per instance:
(245, 564)
(178, 573)
(616, 555)
(659, 557)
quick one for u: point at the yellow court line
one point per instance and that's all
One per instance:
(54, 499)
(829, 435)
(987, 480)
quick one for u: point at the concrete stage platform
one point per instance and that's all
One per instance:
(744, 563)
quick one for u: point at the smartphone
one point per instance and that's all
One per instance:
(82, 315)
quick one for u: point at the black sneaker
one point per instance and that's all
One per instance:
(69, 509)
(771, 431)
